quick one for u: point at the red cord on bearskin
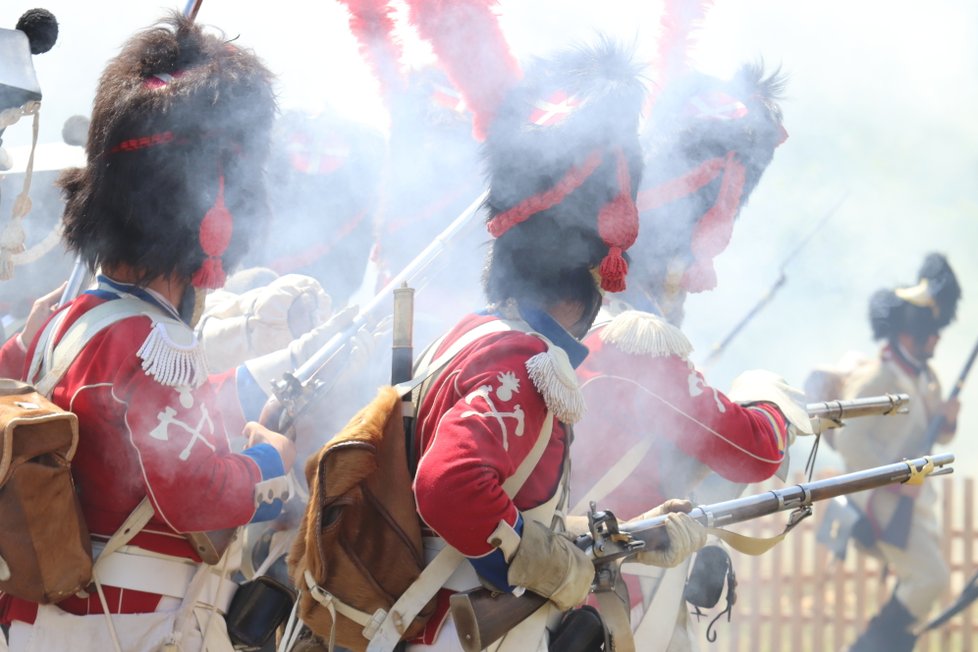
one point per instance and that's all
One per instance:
(570, 182)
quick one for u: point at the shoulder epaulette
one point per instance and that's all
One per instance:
(553, 376)
(172, 354)
(642, 333)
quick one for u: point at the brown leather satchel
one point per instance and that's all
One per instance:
(360, 539)
(45, 549)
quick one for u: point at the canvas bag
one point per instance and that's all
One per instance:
(37, 497)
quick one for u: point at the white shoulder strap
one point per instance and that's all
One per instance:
(437, 572)
(427, 367)
(51, 362)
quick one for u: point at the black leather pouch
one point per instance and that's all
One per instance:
(259, 606)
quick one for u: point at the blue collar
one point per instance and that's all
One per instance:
(547, 326)
(109, 289)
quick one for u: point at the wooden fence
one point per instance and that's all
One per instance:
(799, 598)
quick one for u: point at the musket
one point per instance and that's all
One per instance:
(481, 616)
(295, 390)
(938, 423)
(897, 531)
(78, 277)
(827, 415)
(402, 331)
(721, 346)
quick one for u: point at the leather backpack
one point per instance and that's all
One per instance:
(45, 549)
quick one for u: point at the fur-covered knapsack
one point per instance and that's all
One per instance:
(359, 546)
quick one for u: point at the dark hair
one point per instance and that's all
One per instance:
(156, 151)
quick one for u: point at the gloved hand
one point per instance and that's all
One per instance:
(549, 564)
(235, 328)
(272, 366)
(758, 385)
(686, 535)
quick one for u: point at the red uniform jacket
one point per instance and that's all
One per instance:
(477, 422)
(138, 437)
(638, 384)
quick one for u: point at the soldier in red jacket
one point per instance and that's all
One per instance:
(171, 195)
(493, 427)
(654, 426)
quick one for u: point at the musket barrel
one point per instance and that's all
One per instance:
(478, 614)
(73, 287)
(407, 275)
(778, 500)
(859, 407)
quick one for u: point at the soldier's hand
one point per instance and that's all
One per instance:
(951, 409)
(259, 434)
(40, 311)
(686, 535)
(549, 564)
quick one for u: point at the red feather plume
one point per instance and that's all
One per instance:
(372, 23)
(466, 37)
(680, 18)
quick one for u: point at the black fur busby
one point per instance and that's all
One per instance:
(564, 164)
(180, 130)
(920, 310)
(707, 143)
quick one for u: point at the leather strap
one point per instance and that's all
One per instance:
(614, 476)
(53, 361)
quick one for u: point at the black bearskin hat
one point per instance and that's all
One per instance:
(707, 143)
(180, 130)
(921, 310)
(564, 165)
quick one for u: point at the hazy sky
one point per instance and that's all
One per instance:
(881, 108)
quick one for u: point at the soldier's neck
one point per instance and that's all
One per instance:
(170, 288)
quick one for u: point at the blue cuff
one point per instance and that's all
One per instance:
(493, 567)
(250, 395)
(270, 465)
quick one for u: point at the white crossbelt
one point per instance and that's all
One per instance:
(137, 569)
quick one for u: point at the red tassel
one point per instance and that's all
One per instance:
(613, 271)
(210, 275)
(215, 236)
(618, 228)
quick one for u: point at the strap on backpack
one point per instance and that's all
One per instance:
(427, 370)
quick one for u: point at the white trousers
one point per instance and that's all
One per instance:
(920, 569)
(55, 629)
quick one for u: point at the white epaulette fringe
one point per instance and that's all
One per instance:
(642, 333)
(172, 354)
(554, 377)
